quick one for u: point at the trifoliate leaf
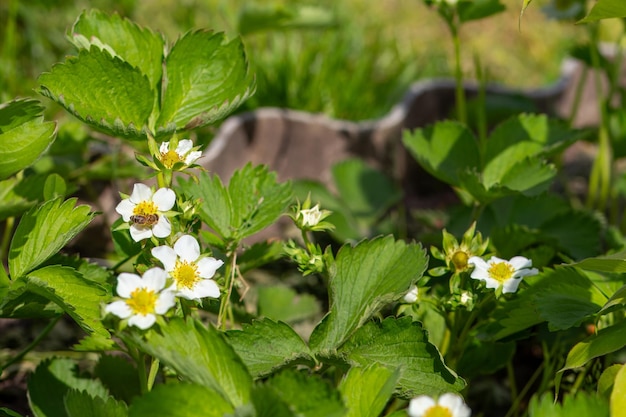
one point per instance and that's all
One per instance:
(204, 358)
(140, 47)
(307, 394)
(103, 91)
(79, 298)
(207, 78)
(445, 150)
(402, 344)
(180, 400)
(51, 383)
(266, 345)
(23, 134)
(253, 201)
(81, 403)
(365, 278)
(366, 391)
(279, 302)
(43, 231)
(580, 405)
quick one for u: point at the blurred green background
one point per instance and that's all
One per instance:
(350, 59)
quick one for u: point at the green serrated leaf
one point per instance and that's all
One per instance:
(366, 278)
(79, 298)
(204, 358)
(580, 405)
(446, 150)
(43, 231)
(23, 134)
(52, 380)
(530, 177)
(605, 9)
(604, 342)
(307, 394)
(207, 79)
(614, 263)
(366, 391)
(81, 403)
(402, 344)
(267, 403)
(257, 199)
(215, 205)
(266, 345)
(119, 376)
(103, 91)
(180, 400)
(282, 303)
(140, 47)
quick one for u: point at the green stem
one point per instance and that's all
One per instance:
(510, 372)
(461, 109)
(578, 96)
(230, 279)
(140, 359)
(32, 344)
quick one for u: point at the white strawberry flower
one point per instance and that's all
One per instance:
(183, 153)
(498, 272)
(448, 405)
(143, 298)
(191, 273)
(145, 212)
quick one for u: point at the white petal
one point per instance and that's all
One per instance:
(456, 404)
(208, 266)
(192, 157)
(496, 260)
(479, 273)
(491, 283)
(154, 279)
(419, 405)
(206, 288)
(525, 273)
(411, 296)
(184, 146)
(478, 262)
(165, 147)
(166, 255)
(163, 228)
(166, 300)
(140, 233)
(119, 308)
(511, 285)
(187, 248)
(141, 192)
(164, 199)
(141, 321)
(125, 209)
(127, 283)
(519, 262)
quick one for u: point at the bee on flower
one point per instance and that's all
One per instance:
(142, 298)
(144, 210)
(191, 273)
(498, 272)
(449, 405)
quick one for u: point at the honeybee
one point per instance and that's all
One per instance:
(144, 220)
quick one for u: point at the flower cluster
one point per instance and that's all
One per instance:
(186, 273)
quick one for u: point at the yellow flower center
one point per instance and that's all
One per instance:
(142, 301)
(459, 260)
(438, 411)
(185, 274)
(145, 208)
(501, 271)
(169, 158)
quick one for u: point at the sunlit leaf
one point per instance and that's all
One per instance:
(579, 405)
(180, 400)
(604, 342)
(365, 391)
(23, 134)
(605, 9)
(81, 403)
(365, 278)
